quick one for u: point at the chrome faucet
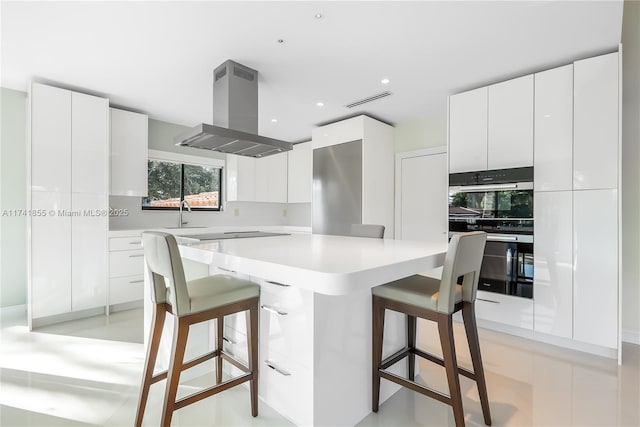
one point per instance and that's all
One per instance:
(183, 203)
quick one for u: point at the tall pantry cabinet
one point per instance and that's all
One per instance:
(68, 202)
(576, 201)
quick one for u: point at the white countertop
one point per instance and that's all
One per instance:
(185, 231)
(330, 265)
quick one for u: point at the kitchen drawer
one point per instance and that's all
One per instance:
(507, 309)
(126, 289)
(125, 243)
(287, 387)
(286, 325)
(126, 263)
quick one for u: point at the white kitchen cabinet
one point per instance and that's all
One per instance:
(89, 144)
(596, 120)
(50, 254)
(300, 173)
(261, 180)
(553, 148)
(378, 155)
(510, 124)
(50, 138)
(126, 269)
(129, 153)
(595, 266)
(67, 247)
(241, 178)
(89, 251)
(468, 131)
(276, 177)
(553, 255)
(506, 309)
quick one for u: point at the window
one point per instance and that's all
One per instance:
(171, 181)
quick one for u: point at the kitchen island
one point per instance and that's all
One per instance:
(315, 322)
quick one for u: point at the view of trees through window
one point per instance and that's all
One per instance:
(171, 182)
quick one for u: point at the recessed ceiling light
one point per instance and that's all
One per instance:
(318, 16)
(280, 40)
(385, 81)
(274, 120)
(320, 104)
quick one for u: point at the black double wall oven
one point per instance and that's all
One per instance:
(499, 202)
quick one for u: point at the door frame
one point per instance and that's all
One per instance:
(442, 149)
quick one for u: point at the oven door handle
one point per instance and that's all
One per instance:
(502, 238)
(491, 187)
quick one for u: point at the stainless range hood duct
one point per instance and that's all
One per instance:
(235, 111)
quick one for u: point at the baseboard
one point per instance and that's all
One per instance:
(65, 317)
(114, 308)
(631, 336)
(13, 310)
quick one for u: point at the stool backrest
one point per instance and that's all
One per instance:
(367, 230)
(464, 258)
(165, 271)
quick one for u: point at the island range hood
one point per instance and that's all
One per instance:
(235, 113)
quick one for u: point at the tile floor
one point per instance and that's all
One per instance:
(87, 372)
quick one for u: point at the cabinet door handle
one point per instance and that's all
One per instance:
(278, 283)
(488, 300)
(137, 281)
(135, 243)
(228, 340)
(136, 256)
(274, 310)
(226, 269)
(276, 368)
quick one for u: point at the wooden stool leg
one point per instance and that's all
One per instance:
(180, 334)
(445, 328)
(376, 353)
(157, 323)
(470, 326)
(219, 343)
(252, 343)
(411, 343)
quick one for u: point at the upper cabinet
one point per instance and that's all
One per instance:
(596, 119)
(492, 127)
(129, 147)
(468, 131)
(257, 180)
(89, 144)
(300, 168)
(553, 148)
(510, 124)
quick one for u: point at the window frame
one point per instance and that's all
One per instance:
(185, 159)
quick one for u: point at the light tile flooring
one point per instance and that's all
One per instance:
(87, 372)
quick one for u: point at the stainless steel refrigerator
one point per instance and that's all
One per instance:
(337, 188)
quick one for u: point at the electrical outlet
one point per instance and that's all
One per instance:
(284, 212)
(236, 212)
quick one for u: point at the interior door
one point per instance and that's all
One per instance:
(423, 198)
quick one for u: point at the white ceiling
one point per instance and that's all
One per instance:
(158, 57)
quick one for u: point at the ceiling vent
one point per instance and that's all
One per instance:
(369, 99)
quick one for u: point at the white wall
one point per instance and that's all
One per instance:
(630, 172)
(13, 229)
(430, 131)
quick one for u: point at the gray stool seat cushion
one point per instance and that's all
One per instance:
(219, 290)
(415, 290)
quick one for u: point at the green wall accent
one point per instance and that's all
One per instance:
(422, 133)
(13, 195)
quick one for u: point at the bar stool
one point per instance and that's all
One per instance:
(193, 302)
(367, 230)
(436, 300)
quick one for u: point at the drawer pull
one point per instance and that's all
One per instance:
(228, 340)
(276, 368)
(226, 269)
(274, 310)
(137, 281)
(135, 243)
(488, 300)
(136, 256)
(278, 284)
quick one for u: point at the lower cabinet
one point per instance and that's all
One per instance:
(553, 269)
(507, 309)
(595, 264)
(126, 269)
